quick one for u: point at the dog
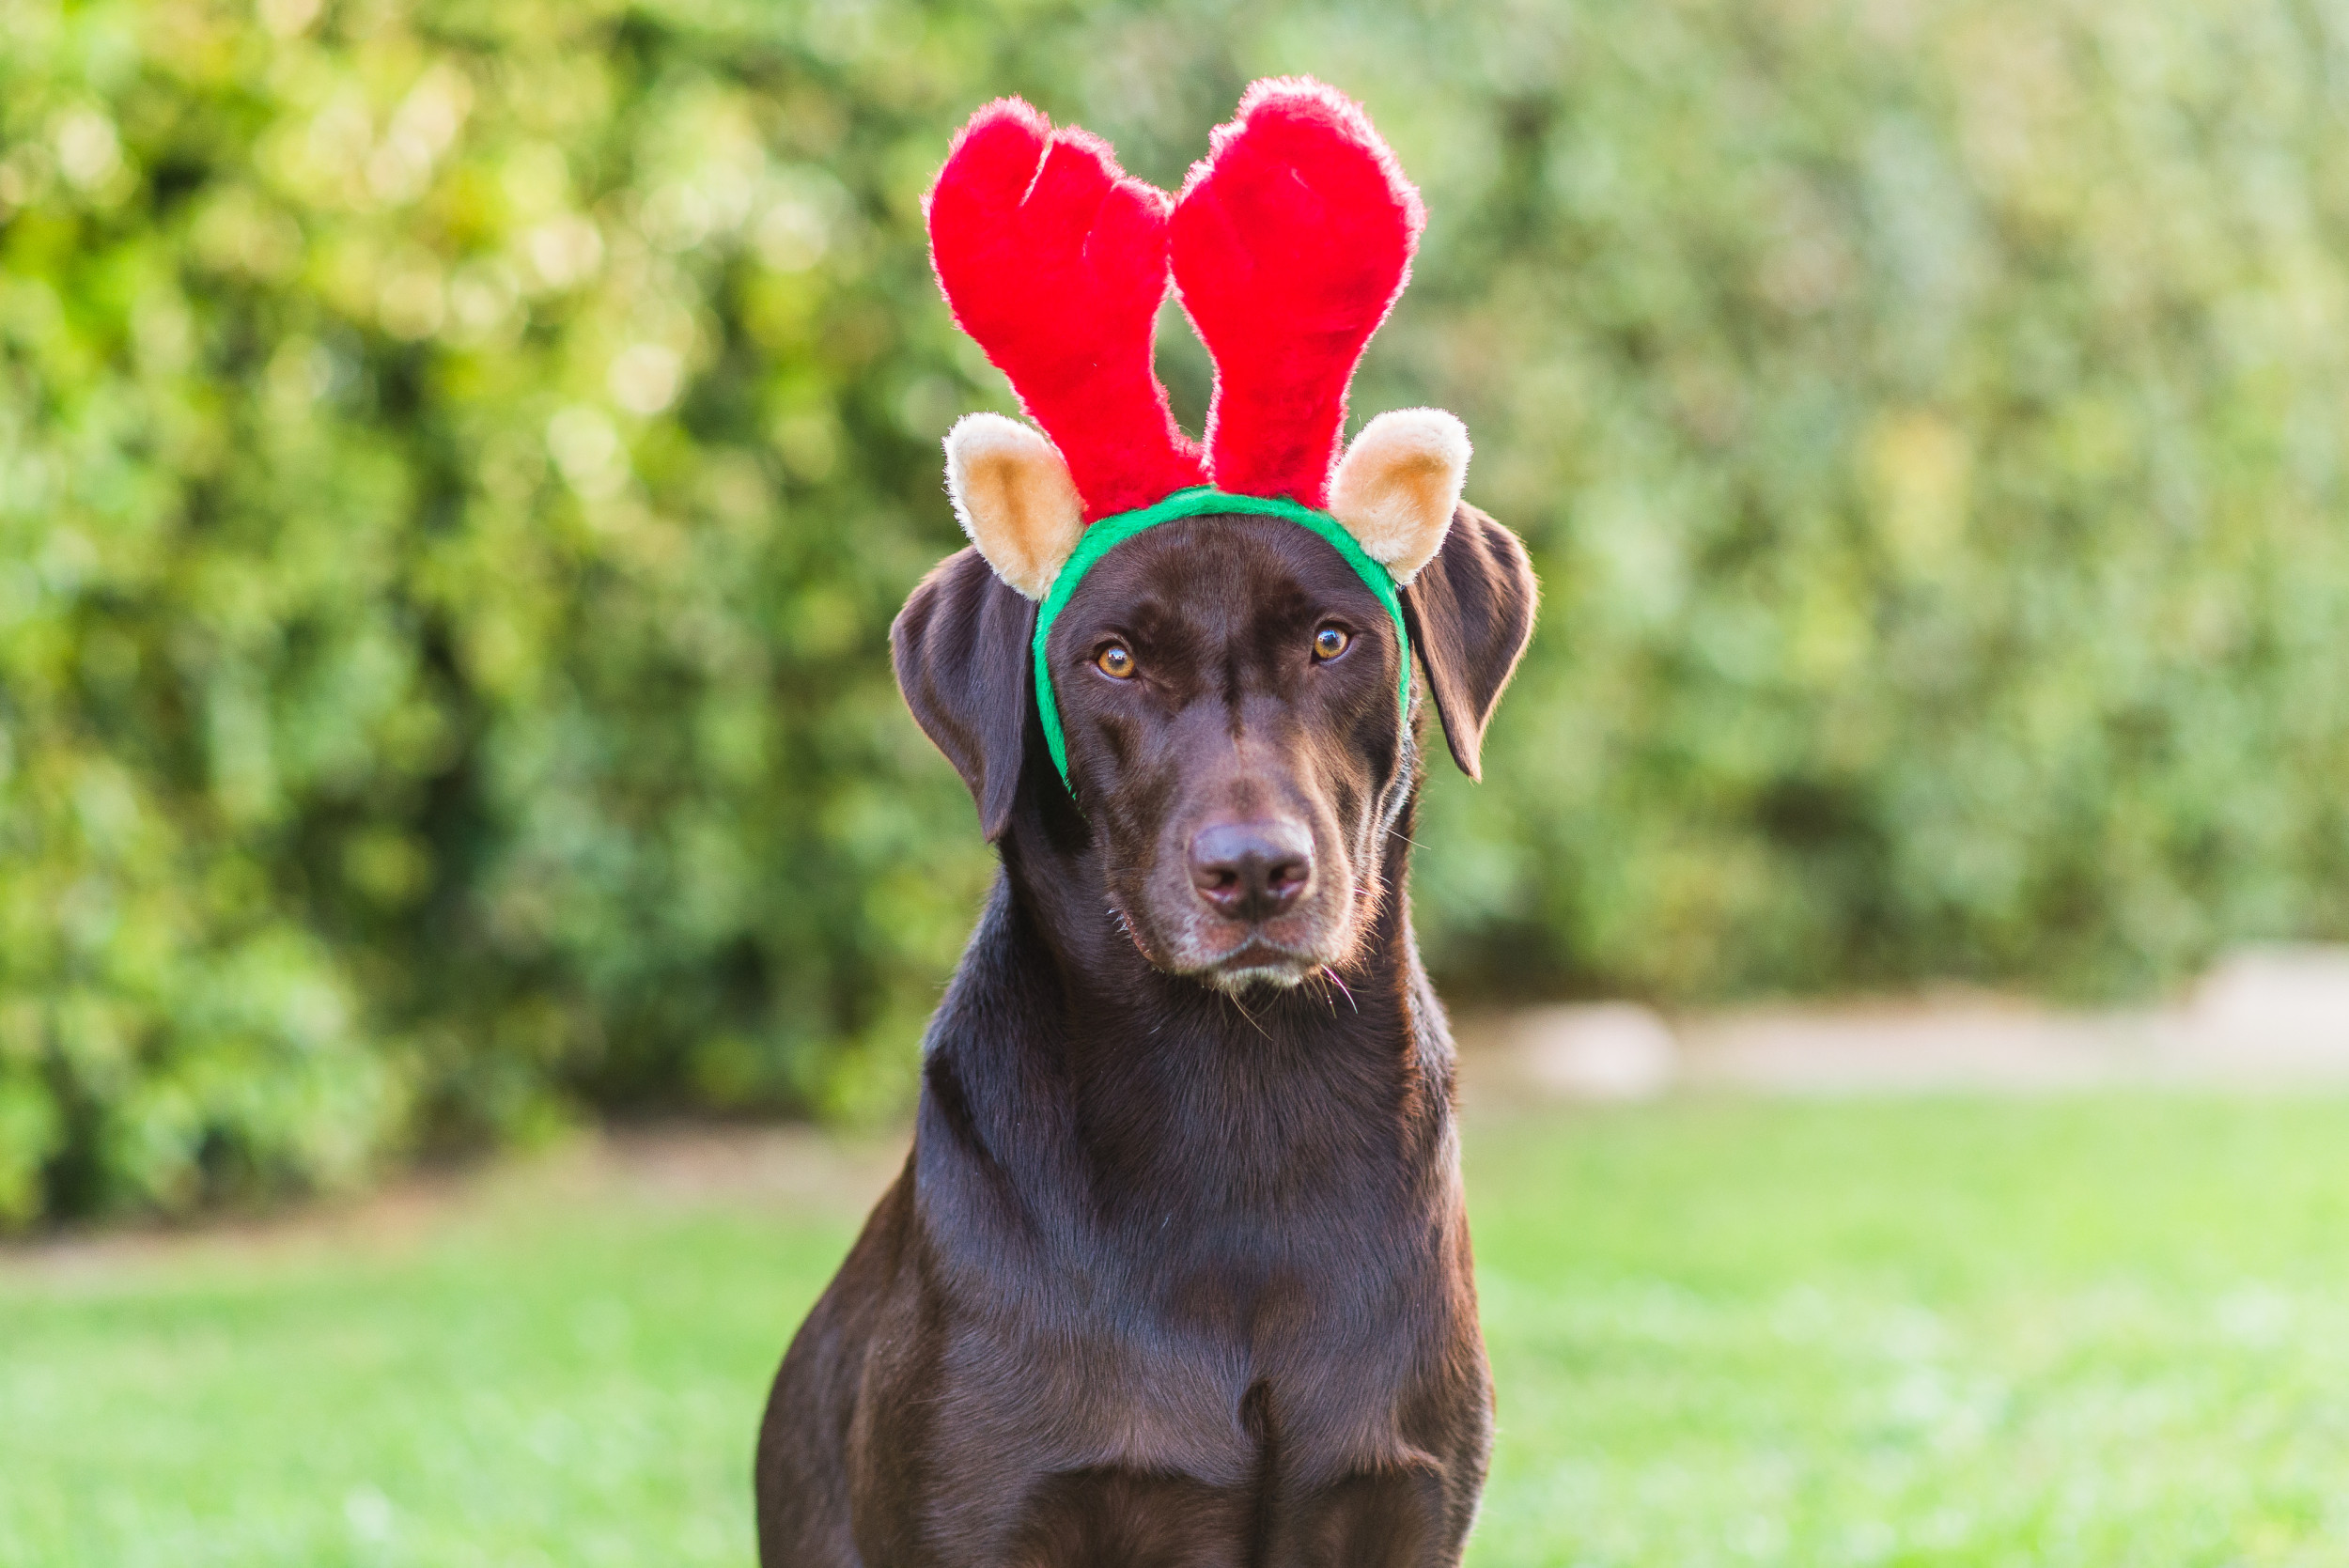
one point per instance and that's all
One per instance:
(1177, 1273)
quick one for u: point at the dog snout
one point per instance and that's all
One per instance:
(1251, 870)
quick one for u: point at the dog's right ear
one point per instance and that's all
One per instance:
(960, 647)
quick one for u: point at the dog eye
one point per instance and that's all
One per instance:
(1329, 641)
(1116, 662)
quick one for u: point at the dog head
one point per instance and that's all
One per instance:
(1228, 689)
(1224, 661)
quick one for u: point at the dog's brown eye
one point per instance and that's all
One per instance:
(1329, 641)
(1116, 662)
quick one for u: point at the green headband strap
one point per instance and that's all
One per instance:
(1110, 531)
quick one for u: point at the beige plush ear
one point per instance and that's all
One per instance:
(1015, 499)
(1397, 485)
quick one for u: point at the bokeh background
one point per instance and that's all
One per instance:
(457, 464)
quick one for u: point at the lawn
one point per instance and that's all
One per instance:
(2108, 1330)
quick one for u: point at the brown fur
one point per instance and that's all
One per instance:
(1174, 1274)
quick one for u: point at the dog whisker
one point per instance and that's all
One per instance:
(1245, 1013)
(1331, 975)
(1313, 985)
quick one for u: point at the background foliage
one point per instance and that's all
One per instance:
(457, 464)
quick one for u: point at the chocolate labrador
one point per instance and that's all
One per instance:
(1178, 1271)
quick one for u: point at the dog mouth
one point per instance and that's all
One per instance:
(1257, 960)
(1252, 957)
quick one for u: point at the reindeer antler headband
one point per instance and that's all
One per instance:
(1289, 243)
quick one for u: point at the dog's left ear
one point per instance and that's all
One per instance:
(1470, 611)
(960, 647)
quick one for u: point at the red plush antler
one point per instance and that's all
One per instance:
(1291, 241)
(1055, 262)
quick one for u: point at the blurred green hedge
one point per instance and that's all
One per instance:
(457, 464)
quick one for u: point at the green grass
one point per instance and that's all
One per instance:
(2098, 1332)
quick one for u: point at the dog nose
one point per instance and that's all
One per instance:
(1251, 870)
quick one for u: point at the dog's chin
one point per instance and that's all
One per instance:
(1255, 963)
(1233, 956)
(1250, 958)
